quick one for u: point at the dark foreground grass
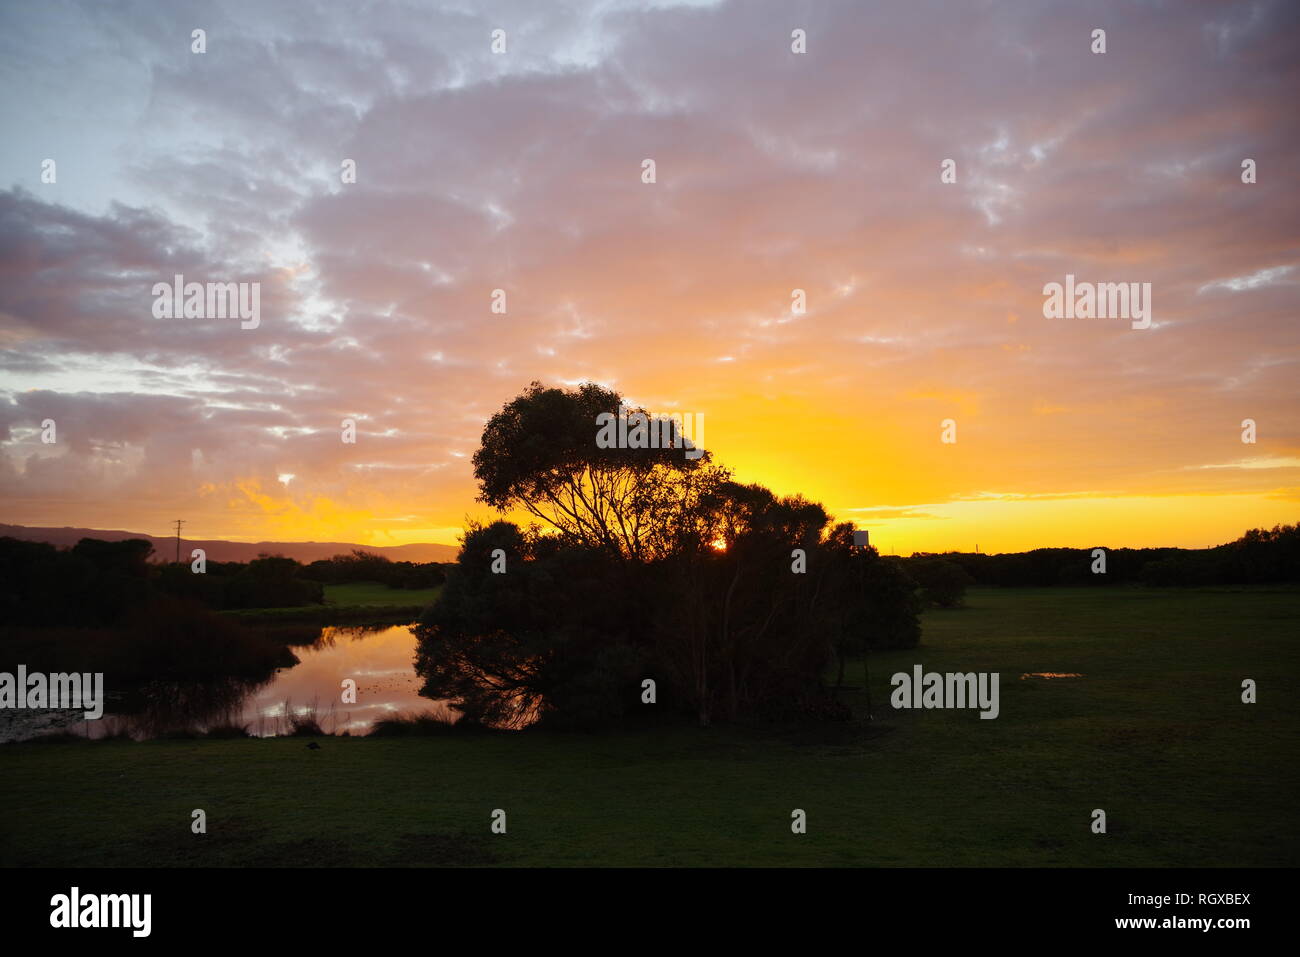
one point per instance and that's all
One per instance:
(1154, 733)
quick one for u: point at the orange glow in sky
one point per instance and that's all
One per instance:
(799, 272)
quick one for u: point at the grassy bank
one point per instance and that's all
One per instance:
(368, 602)
(1153, 732)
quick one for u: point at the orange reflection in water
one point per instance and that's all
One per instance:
(381, 662)
(1050, 674)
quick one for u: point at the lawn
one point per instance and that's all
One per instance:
(1154, 733)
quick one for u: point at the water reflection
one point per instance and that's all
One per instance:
(165, 706)
(380, 661)
(1050, 674)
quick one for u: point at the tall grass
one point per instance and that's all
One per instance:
(420, 724)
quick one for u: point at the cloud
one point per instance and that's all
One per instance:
(521, 172)
(1263, 277)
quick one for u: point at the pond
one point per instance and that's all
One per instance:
(381, 660)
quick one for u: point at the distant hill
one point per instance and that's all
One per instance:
(222, 551)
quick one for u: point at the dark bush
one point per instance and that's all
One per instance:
(943, 583)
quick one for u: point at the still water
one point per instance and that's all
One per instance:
(380, 660)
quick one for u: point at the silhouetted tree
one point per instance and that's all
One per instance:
(657, 566)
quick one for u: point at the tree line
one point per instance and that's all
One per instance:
(97, 582)
(103, 606)
(1259, 557)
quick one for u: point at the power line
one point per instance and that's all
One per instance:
(179, 523)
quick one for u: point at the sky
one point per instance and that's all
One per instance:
(774, 171)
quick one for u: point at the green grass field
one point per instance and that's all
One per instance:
(374, 594)
(1154, 733)
(353, 602)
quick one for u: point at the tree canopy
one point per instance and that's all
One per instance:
(540, 454)
(647, 568)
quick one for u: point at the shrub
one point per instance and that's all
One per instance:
(943, 583)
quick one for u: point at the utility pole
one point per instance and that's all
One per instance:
(179, 523)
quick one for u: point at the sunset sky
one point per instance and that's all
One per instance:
(775, 171)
